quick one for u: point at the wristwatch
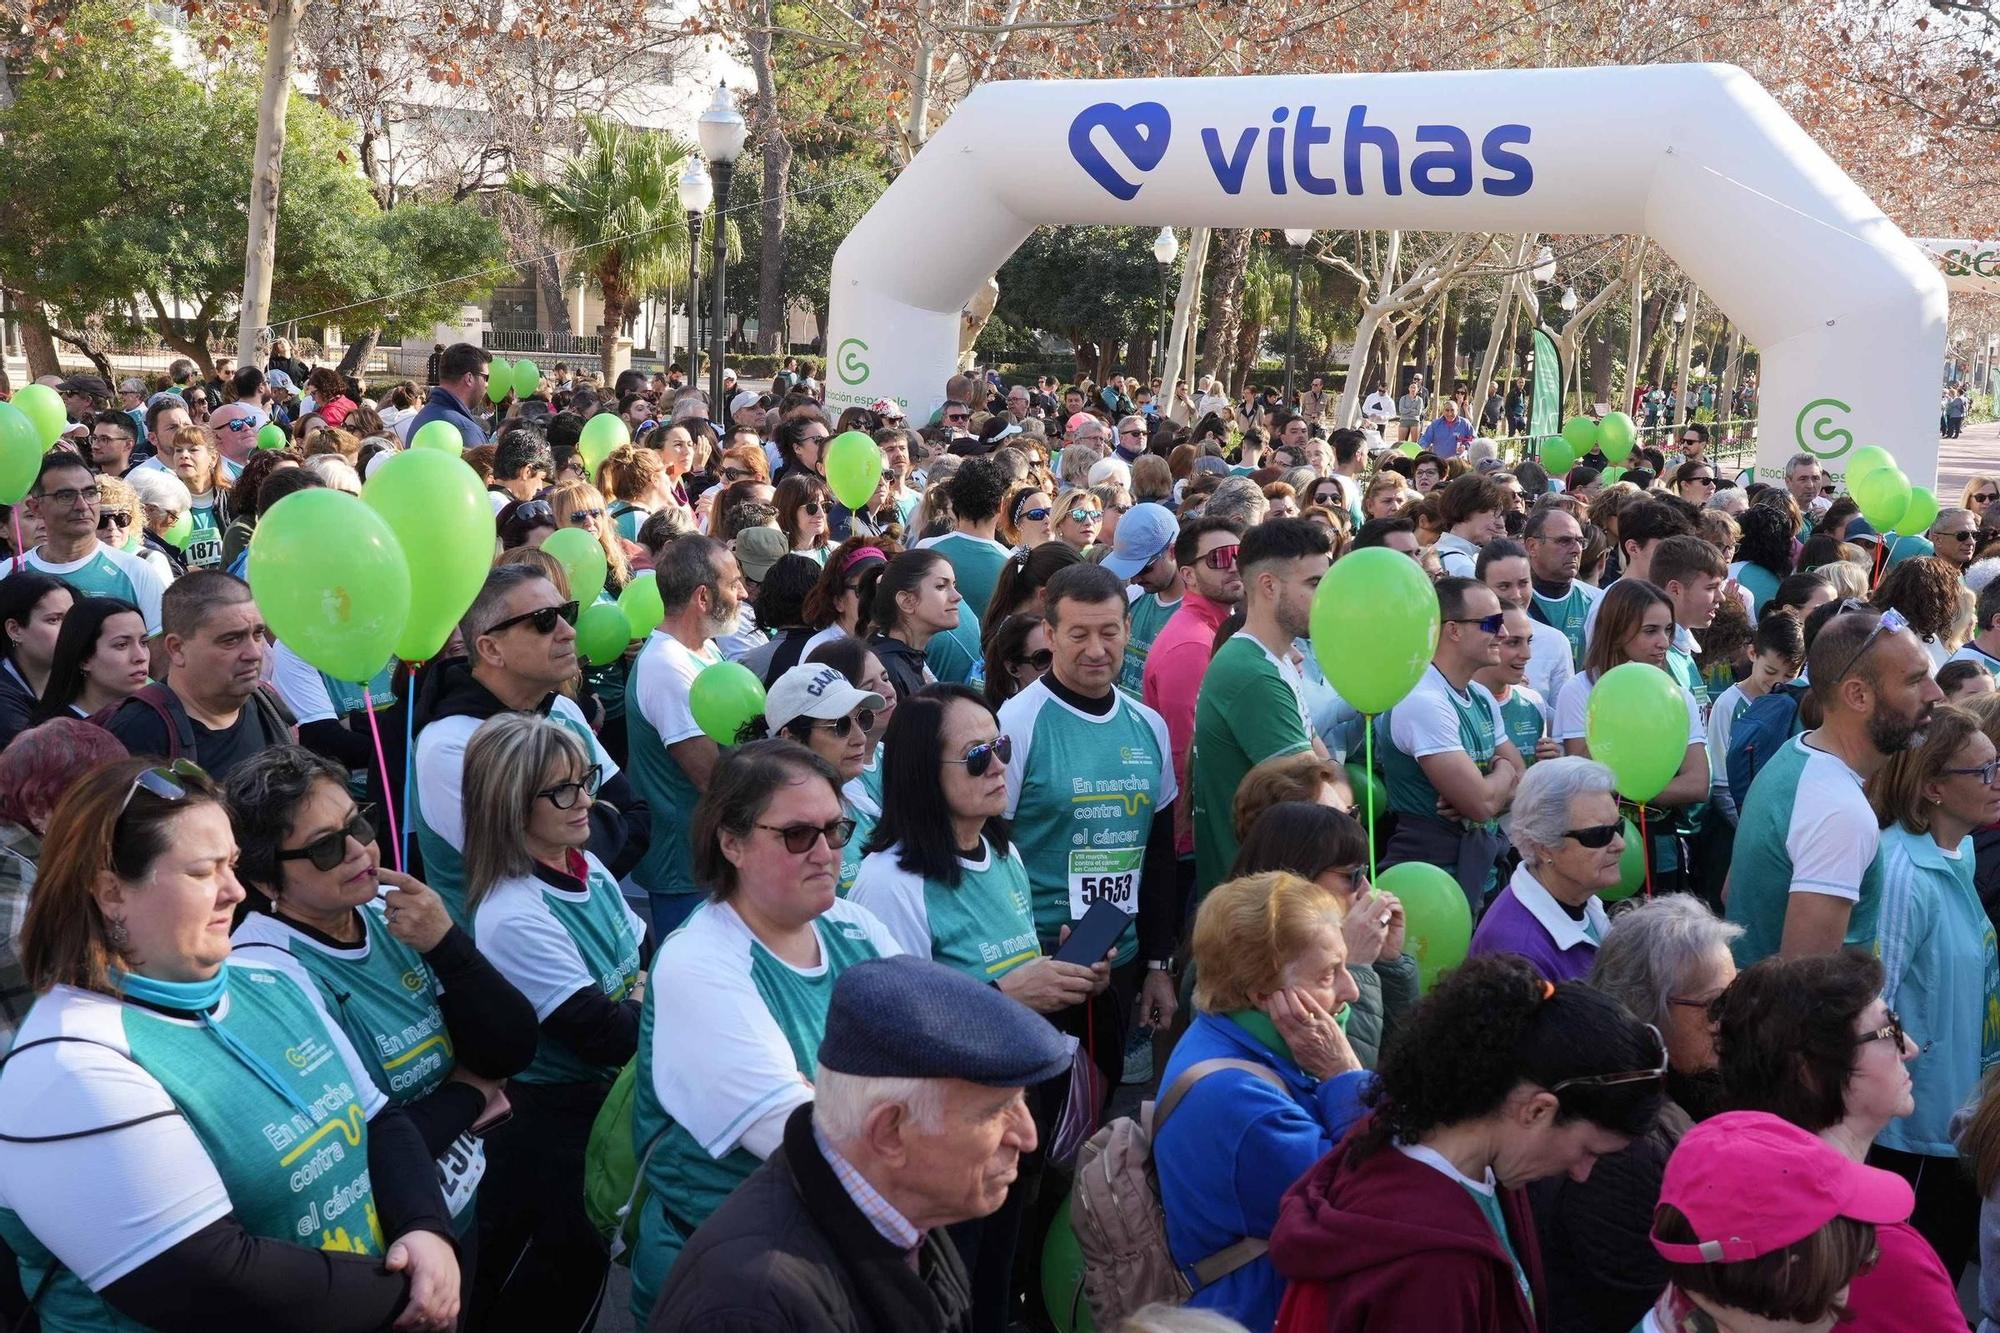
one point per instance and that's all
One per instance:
(1159, 964)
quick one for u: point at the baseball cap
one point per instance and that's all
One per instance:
(1208, 464)
(1077, 420)
(743, 400)
(757, 549)
(91, 385)
(1750, 1183)
(1143, 534)
(887, 409)
(278, 379)
(728, 374)
(814, 689)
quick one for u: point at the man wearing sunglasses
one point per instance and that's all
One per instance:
(1169, 683)
(66, 498)
(1448, 766)
(1955, 536)
(1806, 875)
(461, 384)
(520, 650)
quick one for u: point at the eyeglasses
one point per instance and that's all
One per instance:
(1692, 439)
(1222, 559)
(113, 518)
(1987, 772)
(163, 783)
(1035, 515)
(1967, 535)
(582, 517)
(1492, 624)
(813, 507)
(1892, 622)
(1596, 836)
(799, 838)
(565, 795)
(1702, 1002)
(1040, 661)
(1892, 1030)
(958, 416)
(1619, 1080)
(736, 473)
(1123, 433)
(842, 727)
(69, 495)
(980, 757)
(1085, 515)
(543, 619)
(330, 849)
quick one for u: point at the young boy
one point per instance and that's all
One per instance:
(1776, 655)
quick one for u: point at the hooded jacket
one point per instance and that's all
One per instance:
(903, 664)
(1390, 1245)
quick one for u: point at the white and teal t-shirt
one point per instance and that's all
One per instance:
(1972, 652)
(1805, 827)
(203, 1136)
(314, 696)
(657, 715)
(204, 544)
(104, 572)
(1573, 712)
(552, 935)
(733, 1055)
(438, 797)
(983, 925)
(385, 998)
(1434, 718)
(1568, 613)
(1081, 792)
(975, 563)
(1525, 718)
(862, 799)
(1148, 616)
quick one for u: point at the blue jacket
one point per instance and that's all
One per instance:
(442, 406)
(1232, 1148)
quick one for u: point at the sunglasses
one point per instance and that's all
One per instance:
(235, 424)
(1492, 624)
(1985, 497)
(1035, 515)
(843, 727)
(1892, 622)
(980, 757)
(1221, 559)
(1619, 1080)
(543, 619)
(1970, 534)
(330, 849)
(584, 516)
(813, 507)
(1135, 433)
(1040, 661)
(1596, 836)
(799, 838)
(1987, 772)
(1891, 1030)
(163, 783)
(736, 473)
(1699, 481)
(958, 416)
(1085, 515)
(113, 518)
(535, 512)
(565, 795)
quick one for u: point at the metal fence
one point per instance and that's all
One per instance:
(543, 342)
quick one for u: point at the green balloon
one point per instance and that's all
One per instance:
(332, 581)
(271, 436)
(1062, 1277)
(20, 454)
(1868, 458)
(601, 435)
(1437, 920)
(1408, 449)
(1631, 868)
(642, 605)
(1922, 510)
(1381, 599)
(602, 634)
(1609, 475)
(1637, 726)
(723, 697)
(179, 530)
(441, 436)
(1884, 495)
(1581, 432)
(582, 558)
(499, 381)
(437, 507)
(1616, 435)
(1369, 793)
(527, 378)
(1558, 455)
(853, 468)
(44, 407)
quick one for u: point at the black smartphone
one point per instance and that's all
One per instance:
(1091, 938)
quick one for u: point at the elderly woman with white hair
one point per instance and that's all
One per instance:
(1666, 961)
(1566, 826)
(166, 500)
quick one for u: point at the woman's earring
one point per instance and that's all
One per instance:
(116, 935)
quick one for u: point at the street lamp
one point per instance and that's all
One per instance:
(721, 131)
(1568, 301)
(1680, 312)
(696, 192)
(1298, 238)
(1166, 249)
(1545, 265)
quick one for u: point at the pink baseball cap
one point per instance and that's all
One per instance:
(1080, 419)
(1751, 1183)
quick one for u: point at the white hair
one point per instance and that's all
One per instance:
(1651, 953)
(1539, 819)
(336, 472)
(1478, 451)
(1982, 573)
(161, 489)
(842, 1103)
(1733, 501)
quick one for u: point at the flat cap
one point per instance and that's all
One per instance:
(908, 1017)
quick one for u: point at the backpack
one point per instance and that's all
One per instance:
(614, 1177)
(278, 719)
(1761, 732)
(1119, 1223)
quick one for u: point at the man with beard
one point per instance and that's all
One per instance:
(1806, 877)
(671, 757)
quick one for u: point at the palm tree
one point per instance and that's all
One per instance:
(616, 201)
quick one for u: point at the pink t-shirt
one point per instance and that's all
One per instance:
(1907, 1289)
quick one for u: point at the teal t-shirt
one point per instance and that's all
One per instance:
(1148, 617)
(1805, 827)
(628, 518)
(975, 563)
(1568, 613)
(204, 544)
(983, 925)
(955, 655)
(1521, 710)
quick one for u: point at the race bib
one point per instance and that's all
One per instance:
(460, 1169)
(1104, 875)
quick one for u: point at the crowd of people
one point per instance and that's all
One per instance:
(1050, 806)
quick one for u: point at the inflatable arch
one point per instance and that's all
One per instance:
(1847, 314)
(1969, 266)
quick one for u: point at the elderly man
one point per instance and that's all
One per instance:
(1803, 478)
(1955, 535)
(919, 1120)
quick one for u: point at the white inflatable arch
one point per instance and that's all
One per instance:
(1968, 266)
(1847, 314)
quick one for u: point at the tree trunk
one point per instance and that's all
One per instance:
(1449, 359)
(267, 168)
(548, 276)
(35, 340)
(358, 353)
(1248, 335)
(776, 151)
(1184, 300)
(608, 329)
(1225, 307)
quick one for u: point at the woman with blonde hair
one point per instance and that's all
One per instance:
(1981, 490)
(578, 504)
(192, 457)
(633, 479)
(333, 440)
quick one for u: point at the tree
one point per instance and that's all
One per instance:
(1094, 286)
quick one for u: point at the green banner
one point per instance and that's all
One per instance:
(1545, 400)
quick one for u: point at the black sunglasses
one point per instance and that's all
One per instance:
(1040, 661)
(799, 838)
(113, 518)
(565, 795)
(330, 849)
(980, 757)
(844, 726)
(542, 618)
(1492, 624)
(1596, 836)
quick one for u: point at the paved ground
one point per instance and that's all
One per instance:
(1977, 450)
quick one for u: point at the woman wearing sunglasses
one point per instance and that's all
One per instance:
(1812, 1041)
(1939, 967)
(100, 660)
(815, 705)
(231, 1144)
(1419, 1219)
(732, 1027)
(551, 919)
(1695, 481)
(577, 504)
(837, 606)
(1017, 655)
(804, 504)
(1078, 516)
(1981, 490)
(1565, 824)
(435, 1023)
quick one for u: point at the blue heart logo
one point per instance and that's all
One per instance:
(1139, 131)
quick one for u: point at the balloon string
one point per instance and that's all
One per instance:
(1645, 849)
(409, 761)
(1881, 550)
(1368, 786)
(382, 761)
(20, 553)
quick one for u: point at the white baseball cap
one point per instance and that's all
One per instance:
(814, 689)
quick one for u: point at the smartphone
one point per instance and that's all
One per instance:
(1091, 938)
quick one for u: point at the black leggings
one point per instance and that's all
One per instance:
(541, 1263)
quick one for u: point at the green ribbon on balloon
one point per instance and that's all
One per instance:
(723, 697)
(332, 581)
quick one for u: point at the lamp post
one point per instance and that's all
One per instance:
(1166, 249)
(721, 131)
(1298, 238)
(696, 191)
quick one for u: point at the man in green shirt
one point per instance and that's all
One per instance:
(977, 489)
(1250, 707)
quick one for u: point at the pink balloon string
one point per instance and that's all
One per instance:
(1645, 849)
(388, 787)
(20, 553)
